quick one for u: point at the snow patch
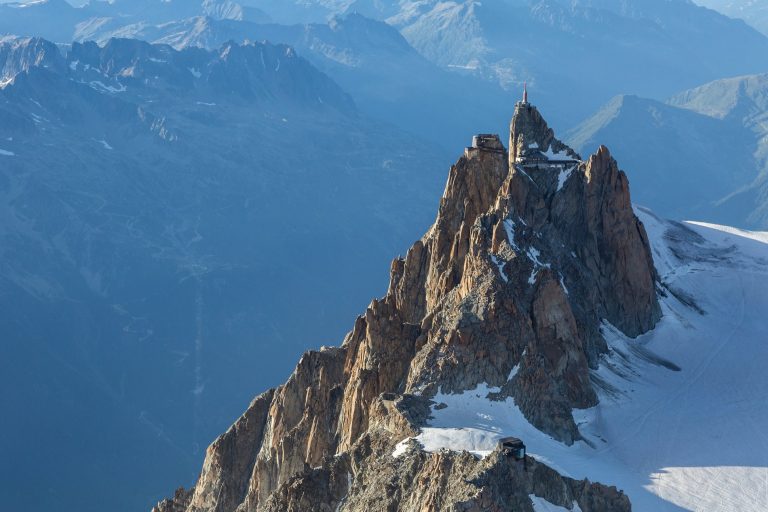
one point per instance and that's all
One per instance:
(476, 441)
(760, 236)
(509, 227)
(516, 369)
(401, 448)
(96, 84)
(471, 66)
(563, 177)
(534, 256)
(469, 422)
(500, 265)
(522, 171)
(560, 155)
(105, 144)
(542, 505)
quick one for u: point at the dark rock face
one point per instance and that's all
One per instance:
(230, 459)
(509, 288)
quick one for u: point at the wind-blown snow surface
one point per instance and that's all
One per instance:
(681, 423)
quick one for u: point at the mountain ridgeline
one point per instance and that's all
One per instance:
(532, 252)
(405, 60)
(717, 130)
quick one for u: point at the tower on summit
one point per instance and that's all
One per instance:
(524, 101)
(532, 143)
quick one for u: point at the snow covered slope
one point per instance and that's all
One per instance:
(681, 423)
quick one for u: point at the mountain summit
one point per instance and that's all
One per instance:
(503, 299)
(531, 139)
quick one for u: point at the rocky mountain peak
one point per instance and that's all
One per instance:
(22, 54)
(508, 291)
(531, 137)
(143, 72)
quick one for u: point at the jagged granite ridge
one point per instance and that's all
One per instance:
(526, 259)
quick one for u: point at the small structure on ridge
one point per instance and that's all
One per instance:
(485, 142)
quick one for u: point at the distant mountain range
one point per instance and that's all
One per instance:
(388, 78)
(701, 155)
(564, 49)
(593, 50)
(172, 223)
(753, 12)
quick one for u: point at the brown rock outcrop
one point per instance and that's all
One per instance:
(229, 460)
(509, 288)
(628, 277)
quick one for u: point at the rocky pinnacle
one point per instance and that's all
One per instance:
(532, 251)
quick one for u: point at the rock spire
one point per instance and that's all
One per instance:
(530, 139)
(532, 250)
